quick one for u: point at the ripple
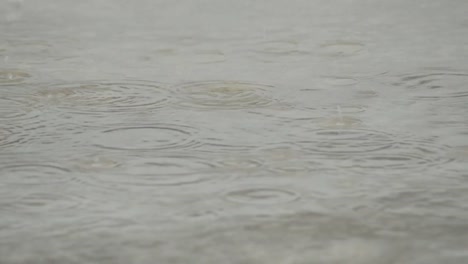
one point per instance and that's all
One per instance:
(42, 202)
(108, 97)
(339, 80)
(435, 85)
(15, 107)
(262, 195)
(209, 56)
(33, 174)
(340, 122)
(346, 141)
(14, 136)
(341, 48)
(154, 137)
(11, 76)
(162, 171)
(269, 51)
(404, 157)
(223, 95)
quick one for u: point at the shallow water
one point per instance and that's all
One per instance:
(233, 132)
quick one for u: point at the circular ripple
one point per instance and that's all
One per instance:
(346, 141)
(436, 85)
(8, 77)
(341, 48)
(16, 108)
(104, 96)
(33, 174)
(223, 95)
(42, 202)
(404, 157)
(166, 171)
(340, 122)
(262, 195)
(158, 136)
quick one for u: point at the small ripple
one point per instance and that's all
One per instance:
(141, 138)
(262, 195)
(269, 51)
(435, 85)
(16, 136)
(209, 56)
(33, 174)
(346, 141)
(16, 108)
(12, 76)
(340, 122)
(162, 171)
(149, 172)
(339, 80)
(341, 48)
(223, 95)
(406, 156)
(105, 97)
(41, 202)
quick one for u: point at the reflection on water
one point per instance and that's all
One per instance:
(233, 132)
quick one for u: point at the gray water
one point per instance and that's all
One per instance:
(234, 131)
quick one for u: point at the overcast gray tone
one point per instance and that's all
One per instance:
(262, 131)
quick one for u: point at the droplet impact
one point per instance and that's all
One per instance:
(9, 77)
(340, 122)
(105, 97)
(262, 195)
(436, 85)
(345, 141)
(223, 95)
(33, 174)
(341, 48)
(154, 137)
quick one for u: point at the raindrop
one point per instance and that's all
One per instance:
(141, 138)
(261, 195)
(223, 95)
(340, 122)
